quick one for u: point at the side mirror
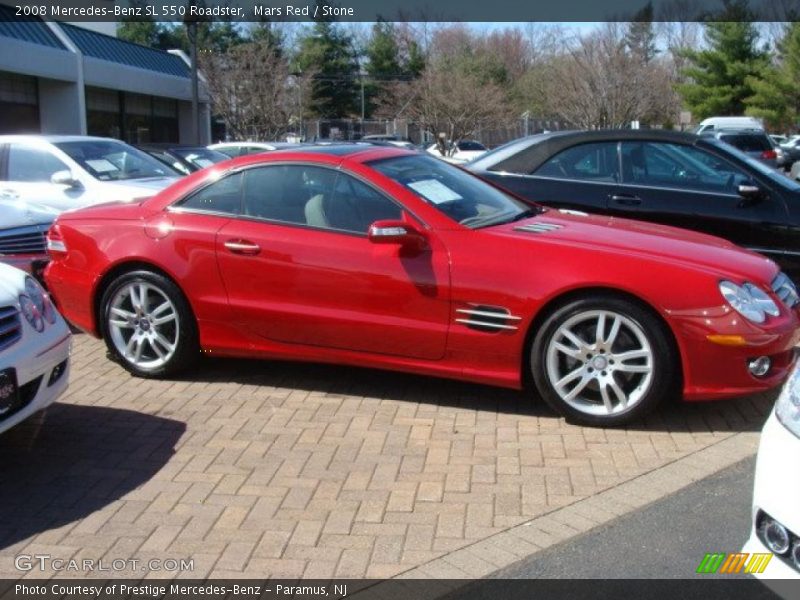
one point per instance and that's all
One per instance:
(749, 191)
(395, 232)
(65, 178)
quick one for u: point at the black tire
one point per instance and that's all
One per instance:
(548, 361)
(182, 331)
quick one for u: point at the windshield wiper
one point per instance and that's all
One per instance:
(528, 212)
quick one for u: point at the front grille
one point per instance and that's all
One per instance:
(785, 290)
(10, 326)
(23, 240)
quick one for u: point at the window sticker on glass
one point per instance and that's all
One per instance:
(434, 191)
(101, 165)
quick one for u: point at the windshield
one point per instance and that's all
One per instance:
(463, 197)
(747, 143)
(470, 146)
(200, 157)
(110, 160)
(772, 174)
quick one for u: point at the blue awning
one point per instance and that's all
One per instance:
(105, 47)
(28, 30)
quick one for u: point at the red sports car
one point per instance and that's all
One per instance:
(381, 257)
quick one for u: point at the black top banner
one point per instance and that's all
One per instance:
(406, 10)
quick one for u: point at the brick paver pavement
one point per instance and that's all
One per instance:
(276, 469)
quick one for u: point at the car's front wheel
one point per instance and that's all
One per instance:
(603, 360)
(148, 325)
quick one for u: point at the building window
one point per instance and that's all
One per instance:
(19, 104)
(133, 118)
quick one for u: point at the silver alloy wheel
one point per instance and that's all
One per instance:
(600, 362)
(144, 325)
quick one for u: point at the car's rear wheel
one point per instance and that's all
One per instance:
(148, 325)
(603, 360)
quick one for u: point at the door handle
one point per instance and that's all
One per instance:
(626, 200)
(245, 247)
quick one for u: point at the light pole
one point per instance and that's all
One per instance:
(191, 32)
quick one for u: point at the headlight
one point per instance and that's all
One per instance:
(36, 305)
(32, 314)
(787, 408)
(749, 300)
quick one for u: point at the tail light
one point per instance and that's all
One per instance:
(55, 242)
(769, 154)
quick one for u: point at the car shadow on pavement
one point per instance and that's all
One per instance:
(735, 414)
(69, 461)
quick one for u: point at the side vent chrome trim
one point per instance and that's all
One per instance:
(538, 227)
(488, 318)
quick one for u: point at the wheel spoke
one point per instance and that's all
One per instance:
(606, 399)
(143, 297)
(156, 349)
(164, 319)
(632, 355)
(115, 310)
(634, 368)
(121, 324)
(137, 353)
(576, 341)
(161, 308)
(571, 352)
(601, 328)
(577, 389)
(164, 342)
(612, 335)
(621, 395)
(572, 376)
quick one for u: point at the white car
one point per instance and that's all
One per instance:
(65, 172)
(463, 152)
(776, 519)
(23, 227)
(34, 348)
(234, 149)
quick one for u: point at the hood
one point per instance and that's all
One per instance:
(637, 238)
(19, 213)
(137, 188)
(12, 283)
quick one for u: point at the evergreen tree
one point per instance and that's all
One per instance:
(383, 68)
(640, 38)
(328, 52)
(719, 76)
(776, 95)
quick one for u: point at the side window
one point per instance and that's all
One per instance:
(284, 192)
(588, 162)
(679, 166)
(355, 206)
(26, 163)
(223, 196)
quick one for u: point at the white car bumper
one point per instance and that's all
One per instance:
(776, 493)
(40, 364)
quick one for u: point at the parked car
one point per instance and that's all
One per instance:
(385, 258)
(34, 348)
(714, 123)
(64, 172)
(22, 235)
(234, 149)
(791, 149)
(184, 159)
(775, 520)
(461, 152)
(778, 139)
(667, 177)
(753, 142)
(395, 140)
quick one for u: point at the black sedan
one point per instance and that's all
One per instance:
(184, 159)
(666, 177)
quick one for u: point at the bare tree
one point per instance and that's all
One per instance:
(599, 84)
(458, 105)
(254, 91)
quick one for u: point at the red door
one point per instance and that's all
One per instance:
(326, 284)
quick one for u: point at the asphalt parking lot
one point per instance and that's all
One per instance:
(276, 469)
